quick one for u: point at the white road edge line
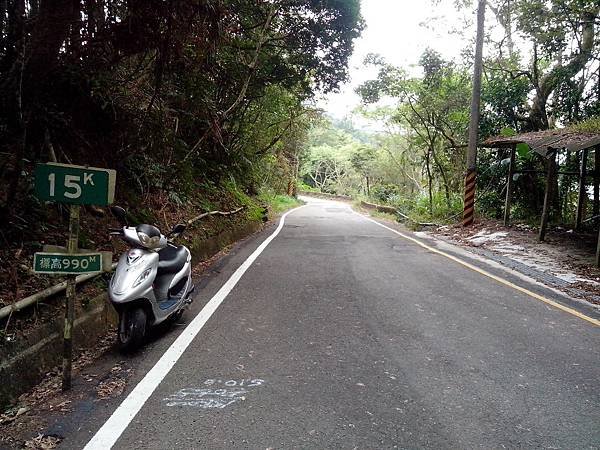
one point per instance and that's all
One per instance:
(118, 422)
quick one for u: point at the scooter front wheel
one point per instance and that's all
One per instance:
(132, 328)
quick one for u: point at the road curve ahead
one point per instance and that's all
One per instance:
(342, 334)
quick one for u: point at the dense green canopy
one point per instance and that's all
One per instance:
(164, 91)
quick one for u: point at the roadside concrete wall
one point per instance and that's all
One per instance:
(366, 205)
(380, 208)
(205, 248)
(25, 361)
(325, 195)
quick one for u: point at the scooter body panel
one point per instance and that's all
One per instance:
(134, 275)
(183, 273)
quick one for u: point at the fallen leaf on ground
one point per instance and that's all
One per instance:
(112, 388)
(42, 442)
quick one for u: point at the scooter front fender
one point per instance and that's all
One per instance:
(133, 277)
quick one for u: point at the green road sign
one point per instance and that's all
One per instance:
(62, 263)
(79, 185)
(106, 256)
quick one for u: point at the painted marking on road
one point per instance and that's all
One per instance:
(116, 424)
(489, 275)
(250, 382)
(206, 398)
(218, 395)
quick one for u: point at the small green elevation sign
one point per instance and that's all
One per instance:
(63, 263)
(65, 183)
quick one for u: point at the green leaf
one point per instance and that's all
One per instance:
(523, 151)
(507, 132)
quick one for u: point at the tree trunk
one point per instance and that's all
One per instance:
(504, 17)
(13, 189)
(34, 7)
(291, 176)
(75, 33)
(49, 146)
(296, 173)
(14, 34)
(444, 177)
(508, 26)
(48, 37)
(429, 182)
(545, 85)
(3, 7)
(96, 18)
(13, 62)
(90, 11)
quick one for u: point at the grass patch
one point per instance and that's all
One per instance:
(306, 188)
(279, 203)
(384, 215)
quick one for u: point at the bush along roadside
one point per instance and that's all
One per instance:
(277, 203)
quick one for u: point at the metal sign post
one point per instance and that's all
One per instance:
(72, 244)
(74, 185)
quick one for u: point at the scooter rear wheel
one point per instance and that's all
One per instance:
(132, 328)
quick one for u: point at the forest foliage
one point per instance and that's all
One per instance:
(541, 71)
(183, 95)
(176, 95)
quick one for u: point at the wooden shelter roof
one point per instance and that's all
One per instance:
(546, 142)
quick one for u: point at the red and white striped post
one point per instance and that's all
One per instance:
(471, 175)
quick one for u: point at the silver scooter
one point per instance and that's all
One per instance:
(152, 282)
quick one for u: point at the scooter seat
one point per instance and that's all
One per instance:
(171, 259)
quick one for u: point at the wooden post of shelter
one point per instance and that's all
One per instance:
(582, 195)
(596, 210)
(598, 250)
(511, 172)
(548, 195)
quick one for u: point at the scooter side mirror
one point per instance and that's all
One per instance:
(177, 229)
(120, 214)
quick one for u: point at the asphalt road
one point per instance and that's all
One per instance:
(344, 335)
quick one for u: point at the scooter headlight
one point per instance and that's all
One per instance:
(147, 241)
(143, 277)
